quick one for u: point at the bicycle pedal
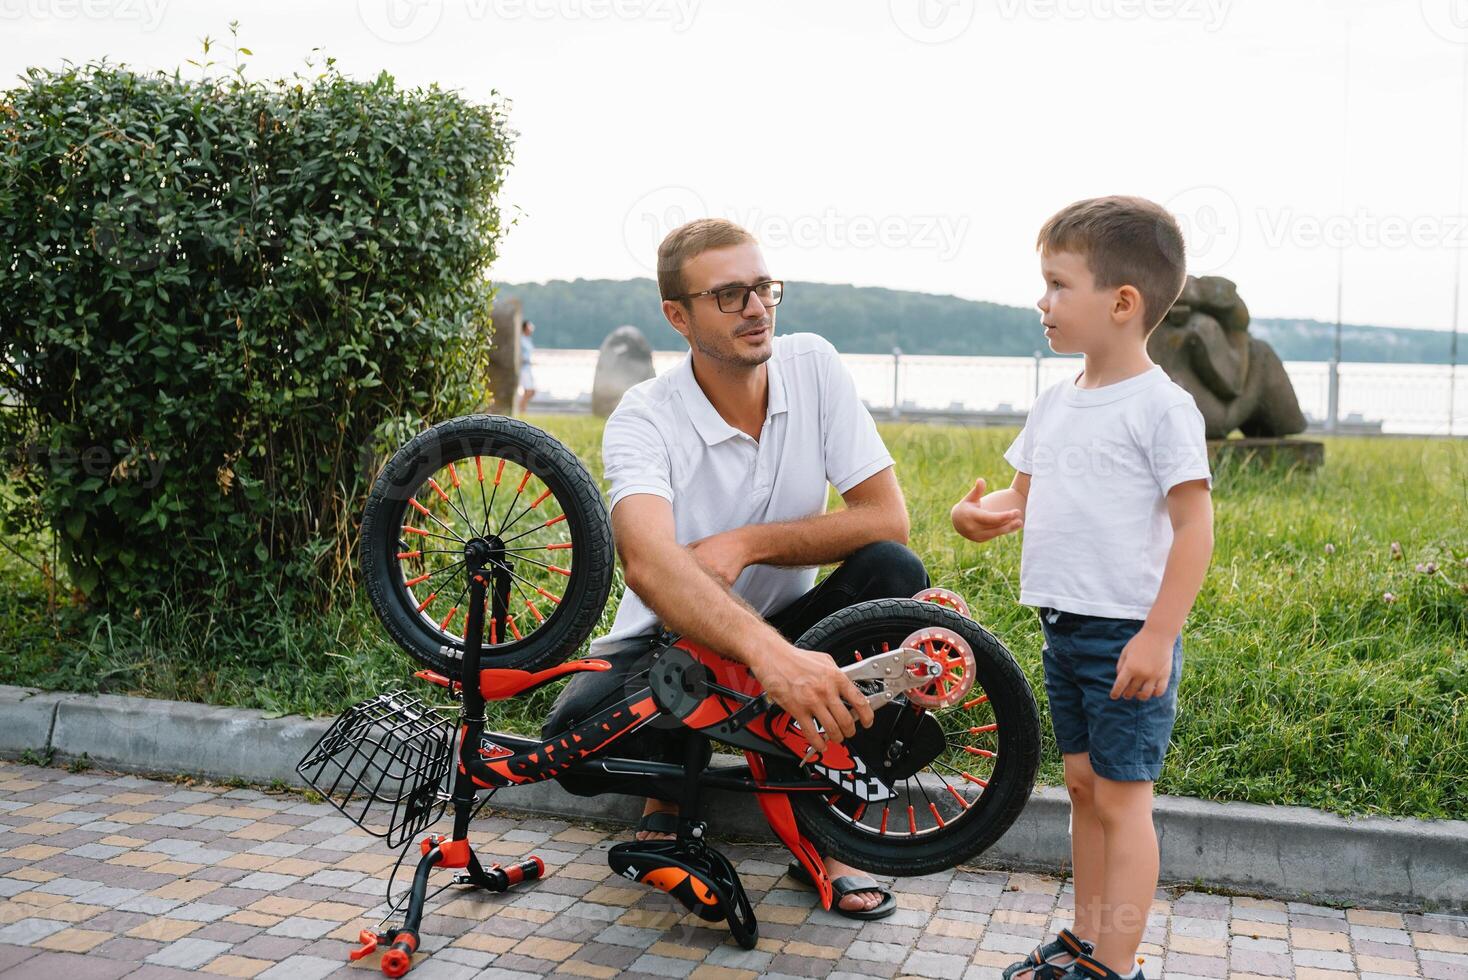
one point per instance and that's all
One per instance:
(697, 876)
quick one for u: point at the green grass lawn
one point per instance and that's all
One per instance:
(1318, 669)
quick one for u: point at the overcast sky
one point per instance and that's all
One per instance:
(916, 144)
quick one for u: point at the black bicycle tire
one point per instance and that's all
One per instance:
(1013, 780)
(588, 587)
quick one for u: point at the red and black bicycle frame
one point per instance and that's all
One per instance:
(731, 709)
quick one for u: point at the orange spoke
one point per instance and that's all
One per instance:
(538, 617)
(975, 702)
(448, 619)
(510, 622)
(958, 796)
(410, 554)
(424, 604)
(883, 829)
(560, 570)
(558, 547)
(433, 517)
(439, 490)
(856, 817)
(499, 473)
(479, 468)
(911, 820)
(983, 752)
(934, 808)
(453, 474)
(541, 499)
(975, 779)
(421, 578)
(552, 598)
(523, 480)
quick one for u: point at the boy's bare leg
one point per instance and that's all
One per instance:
(1124, 809)
(1087, 847)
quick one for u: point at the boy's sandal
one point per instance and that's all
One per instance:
(847, 885)
(1087, 968)
(1065, 943)
(658, 822)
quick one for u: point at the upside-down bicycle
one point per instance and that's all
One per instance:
(486, 551)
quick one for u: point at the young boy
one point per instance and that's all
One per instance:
(1112, 490)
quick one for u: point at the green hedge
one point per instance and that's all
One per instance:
(224, 300)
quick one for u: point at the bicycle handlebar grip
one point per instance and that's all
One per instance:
(512, 874)
(398, 959)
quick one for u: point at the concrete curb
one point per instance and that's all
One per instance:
(1285, 852)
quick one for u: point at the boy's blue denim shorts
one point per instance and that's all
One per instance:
(1124, 738)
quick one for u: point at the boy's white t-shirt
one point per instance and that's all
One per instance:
(1101, 461)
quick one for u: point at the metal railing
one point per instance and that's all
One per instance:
(1388, 398)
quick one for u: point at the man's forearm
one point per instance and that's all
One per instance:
(1182, 577)
(825, 538)
(693, 603)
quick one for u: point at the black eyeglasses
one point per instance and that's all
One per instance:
(733, 299)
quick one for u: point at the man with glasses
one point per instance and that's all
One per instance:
(718, 474)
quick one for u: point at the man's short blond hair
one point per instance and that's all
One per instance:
(686, 243)
(1125, 241)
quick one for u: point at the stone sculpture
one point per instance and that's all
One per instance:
(624, 360)
(1237, 380)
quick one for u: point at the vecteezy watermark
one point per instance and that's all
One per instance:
(1106, 458)
(147, 13)
(1210, 13)
(1211, 225)
(931, 21)
(653, 215)
(1363, 229)
(129, 235)
(937, 21)
(658, 212)
(408, 21)
(400, 21)
(145, 469)
(1448, 19)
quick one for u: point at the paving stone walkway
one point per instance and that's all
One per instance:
(104, 876)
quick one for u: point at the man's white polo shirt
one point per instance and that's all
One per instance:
(665, 438)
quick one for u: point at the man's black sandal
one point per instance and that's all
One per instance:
(658, 822)
(847, 885)
(1087, 968)
(1065, 943)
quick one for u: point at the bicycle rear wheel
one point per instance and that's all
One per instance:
(975, 761)
(509, 490)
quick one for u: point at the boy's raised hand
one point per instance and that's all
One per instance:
(977, 523)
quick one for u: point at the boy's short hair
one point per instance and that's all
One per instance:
(1125, 241)
(688, 242)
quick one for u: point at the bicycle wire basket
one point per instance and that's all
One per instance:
(383, 763)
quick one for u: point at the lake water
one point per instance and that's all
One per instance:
(1405, 398)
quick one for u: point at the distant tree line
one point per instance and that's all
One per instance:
(872, 320)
